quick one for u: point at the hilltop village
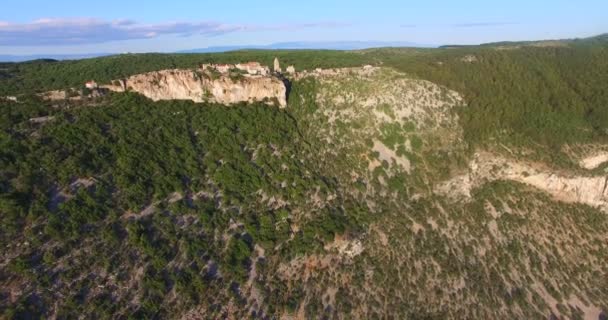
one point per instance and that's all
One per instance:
(252, 68)
(215, 83)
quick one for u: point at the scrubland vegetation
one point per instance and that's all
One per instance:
(120, 207)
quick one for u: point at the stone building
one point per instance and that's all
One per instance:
(253, 68)
(223, 68)
(277, 65)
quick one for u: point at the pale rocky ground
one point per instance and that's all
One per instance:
(358, 103)
(594, 161)
(55, 95)
(485, 167)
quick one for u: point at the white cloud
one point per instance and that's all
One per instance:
(76, 31)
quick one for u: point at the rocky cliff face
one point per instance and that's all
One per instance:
(200, 86)
(590, 190)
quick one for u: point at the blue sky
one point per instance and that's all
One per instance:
(67, 26)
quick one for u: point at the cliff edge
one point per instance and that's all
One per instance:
(205, 85)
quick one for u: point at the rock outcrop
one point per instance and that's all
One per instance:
(203, 86)
(485, 167)
(594, 161)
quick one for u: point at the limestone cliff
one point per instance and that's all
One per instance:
(590, 190)
(202, 86)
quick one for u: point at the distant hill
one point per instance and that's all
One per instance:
(20, 58)
(599, 39)
(320, 45)
(337, 45)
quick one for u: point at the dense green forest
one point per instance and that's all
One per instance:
(548, 96)
(140, 153)
(118, 207)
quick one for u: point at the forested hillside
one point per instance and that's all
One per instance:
(547, 95)
(439, 183)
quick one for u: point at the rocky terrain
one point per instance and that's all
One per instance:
(202, 86)
(486, 167)
(386, 116)
(221, 84)
(461, 183)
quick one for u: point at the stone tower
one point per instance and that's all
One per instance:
(277, 65)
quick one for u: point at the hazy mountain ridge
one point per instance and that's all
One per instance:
(599, 39)
(335, 45)
(23, 58)
(303, 45)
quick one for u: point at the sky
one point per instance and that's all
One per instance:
(117, 26)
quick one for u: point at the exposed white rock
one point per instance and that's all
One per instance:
(489, 167)
(388, 155)
(82, 183)
(91, 85)
(345, 247)
(196, 85)
(55, 95)
(594, 161)
(469, 58)
(42, 119)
